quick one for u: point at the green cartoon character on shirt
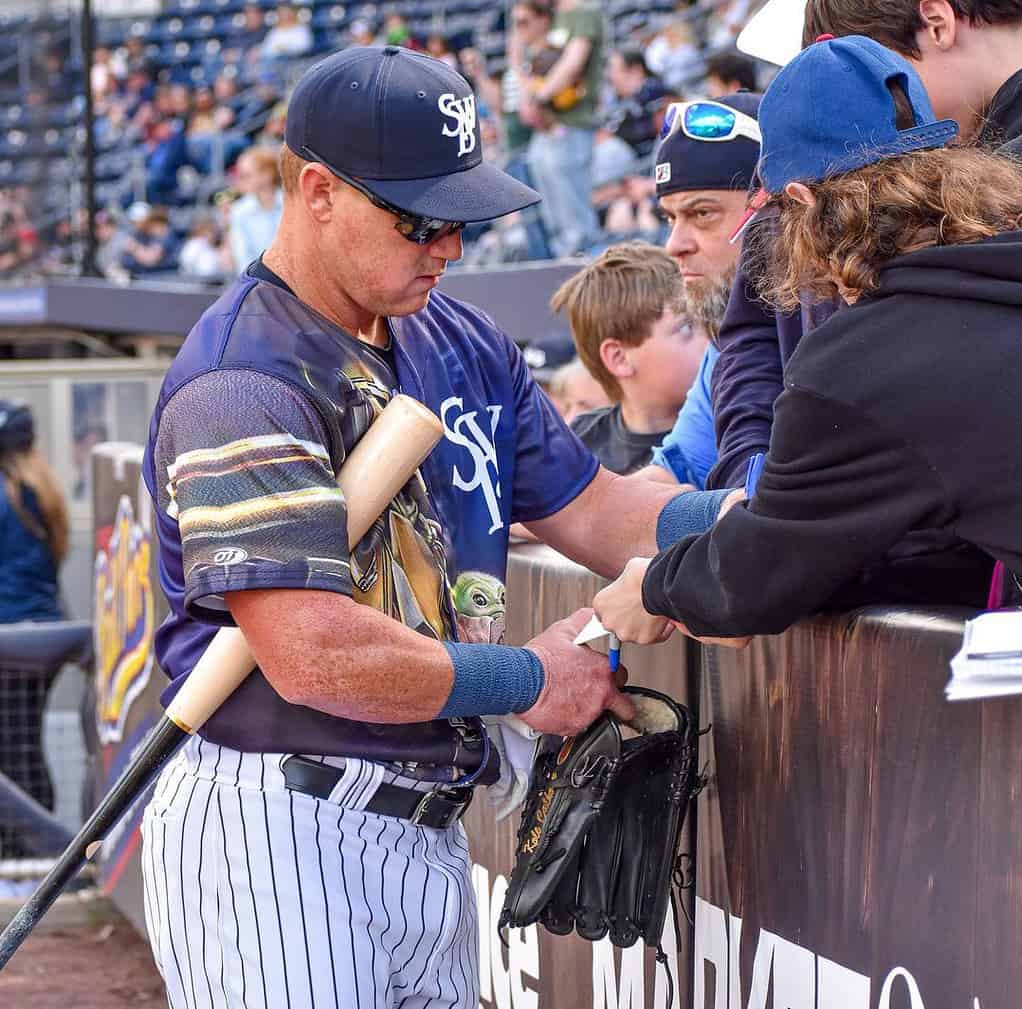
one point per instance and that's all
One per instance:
(480, 601)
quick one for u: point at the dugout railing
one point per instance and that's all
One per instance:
(858, 844)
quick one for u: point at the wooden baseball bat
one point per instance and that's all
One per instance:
(382, 462)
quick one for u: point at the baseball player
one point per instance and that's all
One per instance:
(305, 849)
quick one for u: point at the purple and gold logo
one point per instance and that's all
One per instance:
(125, 622)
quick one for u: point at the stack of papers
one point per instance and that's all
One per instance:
(990, 661)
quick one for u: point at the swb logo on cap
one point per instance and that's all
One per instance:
(463, 112)
(406, 127)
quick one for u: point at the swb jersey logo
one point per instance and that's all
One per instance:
(464, 430)
(463, 112)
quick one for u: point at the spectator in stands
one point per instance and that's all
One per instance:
(272, 134)
(287, 39)
(638, 96)
(254, 217)
(622, 190)
(673, 54)
(132, 56)
(137, 88)
(727, 18)
(153, 248)
(212, 144)
(561, 109)
(361, 33)
(111, 241)
(574, 391)
(102, 77)
(396, 32)
(438, 47)
(57, 77)
(33, 522)
(727, 72)
(245, 42)
(530, 24)
(201, 253)
(627, 317)
(892, 423)
(167, 153)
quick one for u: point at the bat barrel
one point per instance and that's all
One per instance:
(157, 748)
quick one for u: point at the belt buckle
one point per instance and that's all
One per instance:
(451, 795)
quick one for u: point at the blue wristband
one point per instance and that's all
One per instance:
(688, 514)
(492, 680)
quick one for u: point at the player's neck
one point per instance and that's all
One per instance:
(312, 288)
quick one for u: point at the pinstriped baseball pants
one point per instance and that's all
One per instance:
(257, 897)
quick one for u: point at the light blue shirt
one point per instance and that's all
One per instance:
(690, 450)
(253, 228)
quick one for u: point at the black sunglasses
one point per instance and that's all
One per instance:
(417, 229)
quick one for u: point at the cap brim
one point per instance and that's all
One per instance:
(774, 33)
(481, 193)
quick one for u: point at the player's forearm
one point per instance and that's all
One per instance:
(326, 651)
(611, 521)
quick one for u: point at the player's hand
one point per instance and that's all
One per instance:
(619, 607)
(579, 684)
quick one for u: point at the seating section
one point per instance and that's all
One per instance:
(42, 111)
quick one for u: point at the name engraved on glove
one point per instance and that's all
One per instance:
(531, 843)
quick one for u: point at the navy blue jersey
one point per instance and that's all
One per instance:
(258, 413)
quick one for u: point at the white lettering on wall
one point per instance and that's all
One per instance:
(798, 978)
(501, 982)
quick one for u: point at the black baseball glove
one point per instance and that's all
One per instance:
(597, 846)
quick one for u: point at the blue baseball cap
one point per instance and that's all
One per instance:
(405, 126)
(830, 111)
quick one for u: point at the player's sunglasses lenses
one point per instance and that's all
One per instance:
(423, 230)
(700, 121)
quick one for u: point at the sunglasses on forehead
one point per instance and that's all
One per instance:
(710, 121)
(417, 229)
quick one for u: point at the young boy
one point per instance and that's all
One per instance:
(627, 318)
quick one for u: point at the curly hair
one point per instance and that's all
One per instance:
(864, 218)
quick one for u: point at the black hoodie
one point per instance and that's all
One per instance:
(756, 343)
(901, 413)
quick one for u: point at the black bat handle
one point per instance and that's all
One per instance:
(157, 748)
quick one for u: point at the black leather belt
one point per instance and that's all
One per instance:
(437, 808)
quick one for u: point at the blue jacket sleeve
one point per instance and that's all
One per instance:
(690, 450)
(748, 378)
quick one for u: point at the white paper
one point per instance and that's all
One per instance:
(593, 630)
(989, 663)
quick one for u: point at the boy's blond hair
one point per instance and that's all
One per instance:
(618, 296)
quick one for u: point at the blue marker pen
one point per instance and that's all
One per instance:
(752, 477)
(614, 652)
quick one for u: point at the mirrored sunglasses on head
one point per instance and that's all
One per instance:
(417, 229)
(709, 121)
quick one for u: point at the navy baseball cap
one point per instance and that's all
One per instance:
(405, 126)
(17, 429)
(686, 162)
(830, 111)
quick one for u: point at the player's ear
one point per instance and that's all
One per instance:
(614, 355)
(317, 187)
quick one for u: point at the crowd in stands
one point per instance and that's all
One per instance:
(179, 99)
